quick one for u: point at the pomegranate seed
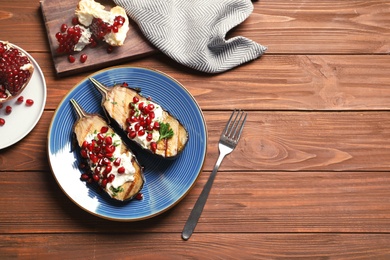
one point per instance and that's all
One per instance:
(110, 150)
(71, 59)
(104, 129)
(152, 115)
(111, 177)
(149, 128)
(117, 162)
(29, 102)
(100, 136)
(148, 120)
(2, 121)
(150, 106)
(141, 132)
(75, 20)
(110, 49)
(106, 161)
(94, 158)
(156, 125)
(97, 170)
(96, 177)
(135, 99)
(84, 153)
(104, 183)
(153, 146)
(146, 110)
(125, 85)
(149, 137)
(141, 105)
(108, 169)
(20, 100)
(132, 134)
(8, 109)
(84, 177)
(121, 170)
(82, 165)
(84, 145)
(108, 140)
(133, 119)
(64, 27)
(139, 196)
(83, 58)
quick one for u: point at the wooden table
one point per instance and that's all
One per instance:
(309, 179)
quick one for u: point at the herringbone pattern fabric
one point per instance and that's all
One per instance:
(193, 32)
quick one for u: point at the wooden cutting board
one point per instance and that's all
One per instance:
(57, 12)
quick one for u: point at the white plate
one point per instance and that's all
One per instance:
(24, 118)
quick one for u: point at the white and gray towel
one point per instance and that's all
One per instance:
(193, 32)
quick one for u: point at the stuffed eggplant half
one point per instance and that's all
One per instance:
(145, 122)
(106, 159)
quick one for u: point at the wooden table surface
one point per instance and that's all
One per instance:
(309, 179)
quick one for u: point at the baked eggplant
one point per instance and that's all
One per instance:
(143, 121)
(107, 159)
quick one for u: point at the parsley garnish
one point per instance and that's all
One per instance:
(116, 190)
(165, 131)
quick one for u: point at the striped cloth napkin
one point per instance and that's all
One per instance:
(192, 32)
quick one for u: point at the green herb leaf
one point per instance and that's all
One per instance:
(165, 131)
(116, 190)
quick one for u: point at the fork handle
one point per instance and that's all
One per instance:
(199, 205)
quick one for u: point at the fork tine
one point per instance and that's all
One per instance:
(235, 125)
(236, 137)
(227, 127)
(233, 128)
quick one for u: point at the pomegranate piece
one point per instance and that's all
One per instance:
(2, 121)
(15, 71)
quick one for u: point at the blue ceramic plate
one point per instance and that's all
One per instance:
(167, 181)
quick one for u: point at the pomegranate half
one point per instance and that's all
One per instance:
(16, 71)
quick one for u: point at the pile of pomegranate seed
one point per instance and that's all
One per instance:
(69, 37)
(101, 162)
(141, 121)
(99, 28)
(15, 70)
(100, 153)
(8, 108)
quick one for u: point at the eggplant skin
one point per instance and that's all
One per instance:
(92, 123)
(116, 102)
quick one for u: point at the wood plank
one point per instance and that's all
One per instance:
(272, 141)
(240, 202)
(204, 246)
(312, 27)
(348, 26)
(288, 82)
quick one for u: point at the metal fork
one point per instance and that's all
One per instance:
(227, 142)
